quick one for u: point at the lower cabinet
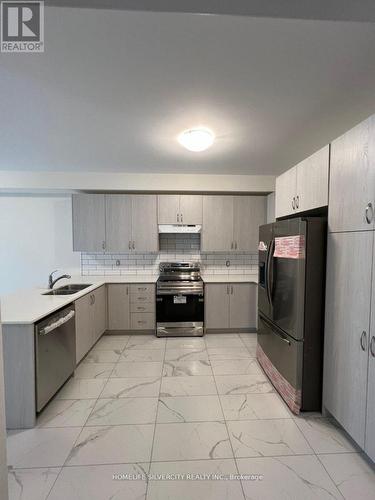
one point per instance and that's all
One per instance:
(91, 320)
(230, 306)
(131, 307)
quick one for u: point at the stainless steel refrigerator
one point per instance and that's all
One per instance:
(292, 255)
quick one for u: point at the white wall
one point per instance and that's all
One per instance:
(36, 238)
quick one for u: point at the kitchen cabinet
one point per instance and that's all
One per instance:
(347, 322)
(249, 212)
(118, 216)
(131, 307)
(180, 209)
(88, 222)
(230, 306)
(232, 222)
(91, 320)
(352, 179)
(304, 186)
(370, 416)
(145, 236)
(118, 307)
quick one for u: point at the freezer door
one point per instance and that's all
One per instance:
(285, 353)
(286, 276)
(264, 248)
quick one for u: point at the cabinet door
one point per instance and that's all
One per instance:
(118, 307)
(370, 420)
(100, 312)
(88, 222)
(217, 231)
(144, 223)
(249, 214)
(84, 330)
(286, 185)
(216, 304)
(348, 291)
(191, 209)
(168, 208)
(243, 305)
(352, 179)
(118, 222)
(312, 181)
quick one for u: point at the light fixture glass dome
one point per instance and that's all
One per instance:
(196, 139)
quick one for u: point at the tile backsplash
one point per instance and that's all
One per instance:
(172, 247)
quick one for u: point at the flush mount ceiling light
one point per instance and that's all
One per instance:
(196, 139)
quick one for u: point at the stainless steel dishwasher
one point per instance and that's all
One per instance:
(55, 353)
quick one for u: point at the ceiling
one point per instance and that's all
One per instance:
(114, 89)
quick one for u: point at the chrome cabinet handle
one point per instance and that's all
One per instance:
(93, 298)
(294, 203)
(372, 346)
(227, 289)
(369, 212)
(178, 217)
(181, 217)
(231, 289)
(297, 201)
(363, 340)
(130, 245)
(133, 245)
(103, 245)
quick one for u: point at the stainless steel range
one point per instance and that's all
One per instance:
(179, 300)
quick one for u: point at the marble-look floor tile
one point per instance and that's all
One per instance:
(212, 489)
(126, 369)
(186, 368)
(187, 386)
(103, 356)
(111, 445)
(352, 474)
(112, 342)
(224, 343)
(137, 387)
(190, 441)
(31, 484)
(186, 355)
(243, 384)
(189, 409)
(142, 355)
(269, 438)
(249, 337)
(292, 478)
(40, 447)
(94, 370)
(248, 366)
(145, 342)
(228, 353)
(66, 413)
(85, 388)
(221, 336)
(252, 350)
(124, 411)
(186, 343)
(96, 482)
(253, 406)
(325, 436)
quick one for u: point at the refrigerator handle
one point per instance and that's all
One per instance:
(269, 257)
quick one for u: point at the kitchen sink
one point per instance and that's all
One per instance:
(67, 289)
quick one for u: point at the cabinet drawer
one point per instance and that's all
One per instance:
(142, 298)
(142, 289)
(142, 321)
(147, 307)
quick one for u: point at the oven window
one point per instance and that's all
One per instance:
(176, 308)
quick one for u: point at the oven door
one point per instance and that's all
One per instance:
(179, 314)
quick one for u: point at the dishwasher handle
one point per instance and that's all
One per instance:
(48, 329)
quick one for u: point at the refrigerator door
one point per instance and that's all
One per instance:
(285, 353)
(286, 276)
(264, 248)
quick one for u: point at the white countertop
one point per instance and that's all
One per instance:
(30, 305)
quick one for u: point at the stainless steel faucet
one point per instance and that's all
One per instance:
(52, 282)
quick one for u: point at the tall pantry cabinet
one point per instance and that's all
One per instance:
(349, 353)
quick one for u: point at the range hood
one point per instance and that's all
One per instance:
(179, 228)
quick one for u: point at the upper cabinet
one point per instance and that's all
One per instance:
(305, 186)
(180, 209)
(232, 222)
(88, 222)
(352, 179)
(115, 223)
